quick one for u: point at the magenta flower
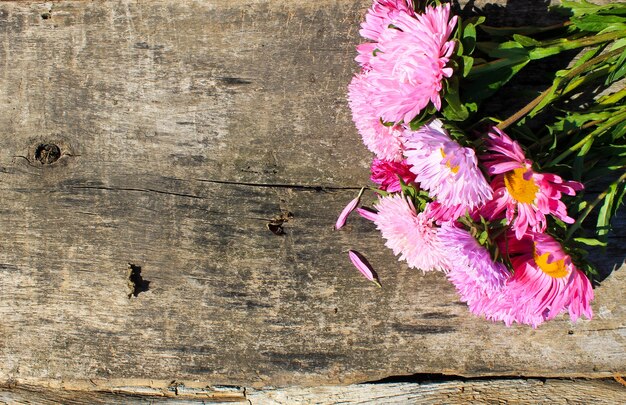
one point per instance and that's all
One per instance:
(525, 195)
(410, 64)
(409, 234)
(388, 174)
(363, 266)
(383, 140)
(341, 220)
(472, 270)
(442, 213)
(544, 284)
(446, 169)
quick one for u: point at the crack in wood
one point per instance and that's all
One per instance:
(140, 190)
(316, 188)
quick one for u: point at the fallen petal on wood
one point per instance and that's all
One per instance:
(364, 266)
(341, 221)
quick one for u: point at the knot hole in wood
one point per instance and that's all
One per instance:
(47, 153)
(136, 283)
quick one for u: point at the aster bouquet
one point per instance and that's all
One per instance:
(499, 213)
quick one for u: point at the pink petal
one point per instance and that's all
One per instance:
(341, 221)
(363, 266)
(367, 214)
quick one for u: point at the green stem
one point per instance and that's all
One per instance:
(567, 44)
(496, 64)
(573, 73)
(616, 119)
(591, 207)
(613, 98)
(544, 140)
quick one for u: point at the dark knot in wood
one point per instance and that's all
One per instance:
(47, 153)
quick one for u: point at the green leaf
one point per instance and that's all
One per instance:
(579, 160)
(613, 199)
(509, 49)
(482, 238)
(590, 241)
(620, 70)
(581, 8)
(484, 80)
(454, 109)
(597, 23)
(526, 41)
(468, 61)
(469, 38)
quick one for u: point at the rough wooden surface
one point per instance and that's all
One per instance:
(515, 391)
(453, 392)
(184, 129)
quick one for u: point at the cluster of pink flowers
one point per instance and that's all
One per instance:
(403, 72)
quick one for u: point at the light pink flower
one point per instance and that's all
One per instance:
(545, 283)
(363, 266)
(341, 220)
(410, 64)
(365, 53)
(409, 234)
(446, 169)
(387, 174)
(523, 194)
(472, 270)
(383, 140)
(381, 15)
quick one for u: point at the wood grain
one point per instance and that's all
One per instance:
(184, 128)
(513, 391)
(516, 391)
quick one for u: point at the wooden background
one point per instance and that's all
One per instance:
(184, 128)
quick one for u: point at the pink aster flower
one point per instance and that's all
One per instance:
(443, 213)
(545, 283)
(409, 234)
(365, 53)
(472, 270)
(387, 174)
(381, 15)
(446, 169)
(408, 70)
(525, 195)
(383, 140)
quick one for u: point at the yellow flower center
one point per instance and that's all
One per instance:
(454, 169)
(555, 269)
(520, 189)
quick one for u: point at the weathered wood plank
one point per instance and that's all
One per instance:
(453, 392)
(185, 127)
(517, 391)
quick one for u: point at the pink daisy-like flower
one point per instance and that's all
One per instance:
(408, 71)
(472, 270)
(381, 15)
(545, 283)
(409, 234)
(525, 195)
(388, 174)
(446, 169)
(443, 213)
(383, 140)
